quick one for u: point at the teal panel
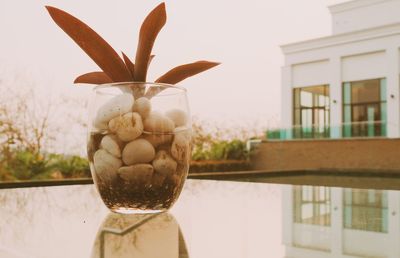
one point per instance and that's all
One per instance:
(384, 199)
(347, 217)
(346, 93)
(371, 121)
(273, 134)
(383, 112)
(383, 89)
(385, 220)
(347, 121)
(384, 118)
(383, 93)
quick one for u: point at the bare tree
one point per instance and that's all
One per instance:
(32, 120)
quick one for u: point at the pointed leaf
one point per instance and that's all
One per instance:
(129, 65)
(182, 72)
(94, 45)
(148, 33)
(93, 78)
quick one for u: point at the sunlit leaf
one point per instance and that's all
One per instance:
(93, 78)
(148, 33)
(129, 64)
(92, 43)
(180, 73)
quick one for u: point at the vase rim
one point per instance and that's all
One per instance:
(165, 85)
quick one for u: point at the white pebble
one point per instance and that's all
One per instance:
(163, 163)
(139, 173)
(138, 151)
(127, 127)
(178, 116)
(105, 164)
(111, 144)
(159, 123)
(116, 106)
(180, 148)
(142, 106)
(157, 139)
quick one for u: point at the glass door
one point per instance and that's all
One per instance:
(311, 112)
(364, 108)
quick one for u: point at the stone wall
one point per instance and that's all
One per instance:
(363, 154)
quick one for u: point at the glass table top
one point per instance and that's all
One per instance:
(211, 219)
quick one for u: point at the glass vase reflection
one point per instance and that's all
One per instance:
(140, 235)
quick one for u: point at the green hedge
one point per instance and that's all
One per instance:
(24, 165)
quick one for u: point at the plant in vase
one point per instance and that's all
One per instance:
(139, 140)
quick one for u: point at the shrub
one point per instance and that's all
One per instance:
(217, 145)
(71, 166)
(25, 165)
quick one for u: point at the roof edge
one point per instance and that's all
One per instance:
(355, 4)
(343, 38)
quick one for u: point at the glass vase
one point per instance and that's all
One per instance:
(139, 145)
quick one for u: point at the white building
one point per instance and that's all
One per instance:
(332, 222)
(346, 84)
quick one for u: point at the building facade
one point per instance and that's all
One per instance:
(324, 222)
(346, 84)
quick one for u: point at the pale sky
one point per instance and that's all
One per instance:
(243, 35)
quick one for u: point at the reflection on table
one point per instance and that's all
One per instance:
(139, 236)
(340, 222)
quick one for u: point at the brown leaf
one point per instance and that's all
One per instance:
(93, 78)
(91, 42)
(129, 65)
(148, 33)
(180, 73)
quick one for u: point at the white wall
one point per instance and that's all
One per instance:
(364, 66)
(310, 74)
(364, 14)
(354, 243)
(377, 57)
(312, 237)
(335, 94)
(312, 241)
(393, 90)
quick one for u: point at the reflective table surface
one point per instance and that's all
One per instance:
(211, 219)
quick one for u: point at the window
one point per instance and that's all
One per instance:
(312, 205)
(365, 210)
(311, 112)
(364, 108)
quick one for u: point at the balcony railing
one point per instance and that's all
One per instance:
(345, 130)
